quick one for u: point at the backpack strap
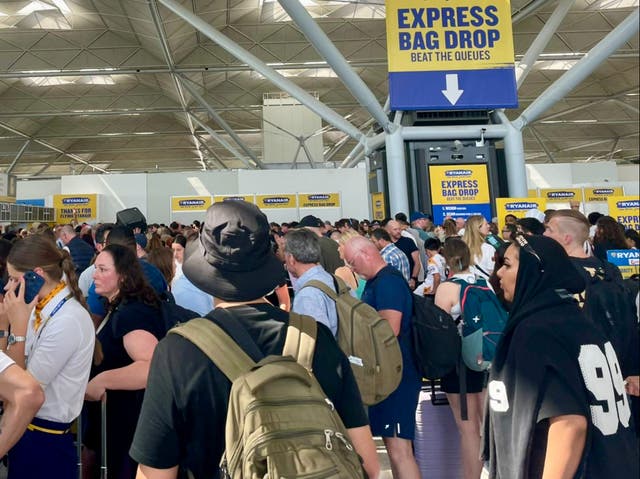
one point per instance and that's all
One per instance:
(314, 283)
(213, 341)
(301, 339)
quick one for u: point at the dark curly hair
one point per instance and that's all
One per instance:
(608, 230)
(133, 284)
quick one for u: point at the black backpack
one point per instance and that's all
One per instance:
(172, 313)
(608, 304)
(436, 341)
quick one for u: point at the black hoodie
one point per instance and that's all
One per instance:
(549, 363)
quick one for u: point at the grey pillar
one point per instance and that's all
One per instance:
(397, 172)
(514, 155)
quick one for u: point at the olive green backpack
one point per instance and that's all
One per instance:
(280, 424)
(366, 338)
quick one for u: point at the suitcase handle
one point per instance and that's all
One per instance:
(103, 455)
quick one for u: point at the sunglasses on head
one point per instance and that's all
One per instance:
(524, 244)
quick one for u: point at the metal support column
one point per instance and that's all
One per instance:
(541, 41)
(397, 171)
(528, 10)
(325, 47)
(326, 113)
(15, 161)
(581, 70)
(514, 155)
(218, 119)
(538, 138)
(223, 142)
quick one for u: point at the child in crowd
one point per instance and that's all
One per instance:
(436, 266)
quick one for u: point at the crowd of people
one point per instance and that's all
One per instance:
(81, 318)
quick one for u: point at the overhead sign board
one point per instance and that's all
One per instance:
(625, 210)
(627, 261)
(561, 195)
(378, 206)
(459, 191)
(450, 55)
(276, 201)
(181, 204)
(517, 207)
(247, 198)
(319, 200)
(78, 207)
(601, 193)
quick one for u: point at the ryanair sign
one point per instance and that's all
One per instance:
(458, 173)
(319, 200)
(517, 207)
(76, 207)
(247, 198)
(625, 210)
(600, 193)
(378, 206)
(559, 195)
(276, 201)
(181, 204)
(627, 261)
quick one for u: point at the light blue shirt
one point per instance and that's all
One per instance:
(189, 296)
(313, 302)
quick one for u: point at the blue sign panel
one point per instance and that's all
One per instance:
(31, 201)
(440, 212)
(453, 90)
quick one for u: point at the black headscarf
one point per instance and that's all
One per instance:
(543, 280)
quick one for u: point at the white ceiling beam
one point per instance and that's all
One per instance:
(13, 164)
(326, 113)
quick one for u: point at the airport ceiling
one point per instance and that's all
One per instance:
(90, 86)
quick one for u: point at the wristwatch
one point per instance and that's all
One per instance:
(13, 339)
(4, 333)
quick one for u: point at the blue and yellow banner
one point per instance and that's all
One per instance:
(276, 201)
(78, 207)
(561, 195)
(625, 210)
(601, 193)
(180, 204)
(459, 191)
(247, 198)
(517, 207)
(319, 200)
(450, 53)
(627, 261)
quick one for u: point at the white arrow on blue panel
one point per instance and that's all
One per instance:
(452, 92)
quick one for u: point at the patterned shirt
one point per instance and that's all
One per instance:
(393, 256)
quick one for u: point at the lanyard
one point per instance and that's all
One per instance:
(45, 322)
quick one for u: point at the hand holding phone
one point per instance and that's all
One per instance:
(33, 283)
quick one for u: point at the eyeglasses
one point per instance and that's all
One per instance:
(524, 244)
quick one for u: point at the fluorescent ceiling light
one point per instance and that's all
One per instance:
(555, 64)
(35, 7)
(62, 6)
(62, 80)
(309, 73)
(613, 4)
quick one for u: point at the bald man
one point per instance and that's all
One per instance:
(408, 247)
(386, 291)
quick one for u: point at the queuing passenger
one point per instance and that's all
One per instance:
(86, 278)
(530, 226)
(408, 247)
(609, 235)
(141, 244)
(81, 252)
(302, 259)
(475, 232)
(187, 295)
(449, 227)
(355, 282)
(557, 405)
(329, 256)
(177, 246)
(185, 404)
(126, 339)
(633, 238)
(162, 259)
(390, 253)
(509, 230)
(52, 337)
(21, 397)
(387, 292)
(458, 257)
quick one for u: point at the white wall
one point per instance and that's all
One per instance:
(36, 189)
(115, 192)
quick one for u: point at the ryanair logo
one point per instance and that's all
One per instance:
(628, 204)
(560, 194)
(277, 200)
(77, 200)
(603, 191)
(190, 203)
(318, 197)
(521, 206)
(458, 173)
(233, 198)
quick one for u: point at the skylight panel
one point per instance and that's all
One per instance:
(555, 64)
(35, 6)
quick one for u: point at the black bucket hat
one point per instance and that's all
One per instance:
(233, 260)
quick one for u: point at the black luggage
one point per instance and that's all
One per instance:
(132, 218)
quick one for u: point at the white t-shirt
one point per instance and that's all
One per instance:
(85, 279)
(435, 265)
(59, 357)
(485, 261)
(5, 361)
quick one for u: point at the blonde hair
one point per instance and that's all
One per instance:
(347, 235)
(473, 237)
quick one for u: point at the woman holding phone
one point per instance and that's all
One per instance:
(52, 337)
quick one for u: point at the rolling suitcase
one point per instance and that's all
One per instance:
(132, 218)
(437, 441)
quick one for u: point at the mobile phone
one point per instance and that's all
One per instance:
(33, 283)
